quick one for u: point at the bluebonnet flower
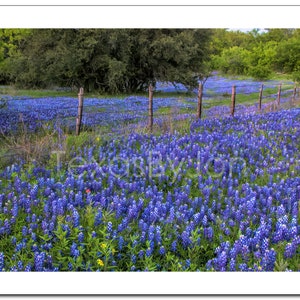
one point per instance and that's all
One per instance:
(34, 192)
(143, 237)
(39, 261)
(141, 254)
(151, 236)
(227, 231)
(133, 258)
(133, 268)
(70, 266)
(15, 210)
(221, 261)
(66, 228)
(80, 237)
(232, 265)
(158, 235)
(135, 243)
(75, 218)
(98, 218)
(245, 251)
(243, 267)
(14, 240)
(20, 246)
(45, 226)
(13, 269)
(60, 207)
(187, 263)
(281, 233)
(268, 261)
(33, 236)
(209, 265)
(20, 265)
(209, 233)
(109, 227)
(186, 241)
(74, 250)
(290, 250)
(162, 250)
(280, 211)
(51, 226)
(24, 231)
(293, 231)
(204, 221)
(34, 248)
(1, 261)
(149, 252)
(296, 240)
(33, 218)
(28, 268)
(197, 218)
(120, 243)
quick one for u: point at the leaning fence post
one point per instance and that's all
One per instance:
(80, 107)
(200, 94)
(150, 108)
(278, 94)
(260, 96)
(294, 95)
(233, 94)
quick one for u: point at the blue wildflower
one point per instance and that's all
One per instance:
(1, 261)
(162, 250)
(74, 250)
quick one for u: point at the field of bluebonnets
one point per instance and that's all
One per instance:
(218, 194)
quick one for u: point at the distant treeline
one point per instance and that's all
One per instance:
(127, 60)
(257, 54)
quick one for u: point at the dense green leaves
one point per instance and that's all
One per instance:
(257, 54)
(127, 60)
(10, 42)
(111, 60)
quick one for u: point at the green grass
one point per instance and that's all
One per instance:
(9, 90)
(274, 76)
(39, 93)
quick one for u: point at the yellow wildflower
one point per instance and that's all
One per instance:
(103, 246)
(100, 262)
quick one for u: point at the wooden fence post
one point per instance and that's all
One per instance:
(200, 94)
(233, 94)
(294, 95)
(278, 95)
(260, 96)
(80, 107)
(150, 108)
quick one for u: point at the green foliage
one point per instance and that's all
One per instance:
(10, 42)
(109, 60)
(256, 54)
(288, 56)
(127, 60)
(232, 61)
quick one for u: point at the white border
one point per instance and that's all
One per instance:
(149, 17)
(149, 2)
(161, 283)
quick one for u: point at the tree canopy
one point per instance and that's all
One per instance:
(127, 60)
(256, 54)
(111, 60)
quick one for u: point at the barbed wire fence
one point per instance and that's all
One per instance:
(149, 115)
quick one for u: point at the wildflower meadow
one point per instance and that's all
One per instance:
(219, 194)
